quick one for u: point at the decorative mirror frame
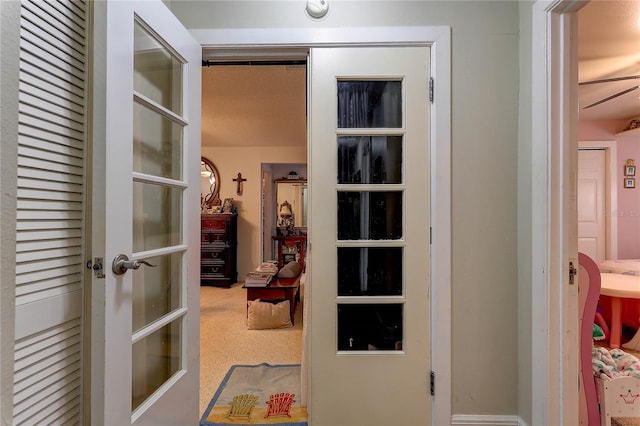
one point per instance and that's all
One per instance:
(213, 197)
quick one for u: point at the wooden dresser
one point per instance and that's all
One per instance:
(218, 250)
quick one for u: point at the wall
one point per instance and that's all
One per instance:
(525, 208)
(248, 160)
(628, 209)
(485, 158)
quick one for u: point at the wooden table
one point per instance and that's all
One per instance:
(618, 287)
(278, 288)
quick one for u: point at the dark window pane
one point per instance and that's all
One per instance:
(369, 215)
(365, 104)
(368, 271)
(370, 159)
(369, 327)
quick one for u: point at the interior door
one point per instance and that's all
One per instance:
(369, 236)
(591, 203)
(145, 312)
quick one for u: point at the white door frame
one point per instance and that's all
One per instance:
(611, 193)
(554, 149)
(439, 39)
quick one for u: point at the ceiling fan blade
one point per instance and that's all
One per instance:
(609, 80)
(611, 97)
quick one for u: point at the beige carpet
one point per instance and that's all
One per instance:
(225, 340)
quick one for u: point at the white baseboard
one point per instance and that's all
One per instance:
(484, 420)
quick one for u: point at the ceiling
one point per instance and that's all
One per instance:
(266, 105)
(254, 105)
(608, 47)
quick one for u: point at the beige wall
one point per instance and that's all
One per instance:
(485, 180)
(525, 349)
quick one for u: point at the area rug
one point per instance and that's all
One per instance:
(261, 394)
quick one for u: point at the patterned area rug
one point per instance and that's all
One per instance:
(257, 395)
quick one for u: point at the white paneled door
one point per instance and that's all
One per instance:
(370, 275)
(591, 203)
(145, 215)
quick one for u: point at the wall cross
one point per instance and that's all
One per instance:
(239, 181)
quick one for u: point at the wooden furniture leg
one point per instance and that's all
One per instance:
(616, 322)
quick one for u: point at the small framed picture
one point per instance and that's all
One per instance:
(227, 205)
(629, 170)
(629, 182)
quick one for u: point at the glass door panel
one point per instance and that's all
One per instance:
(157, 147)
(370, 159)
(370, 271)
(154, 294)
(370, 327)
(370, 215)
(158, 73)
(369, 103)
(155, 358)
(157, 214)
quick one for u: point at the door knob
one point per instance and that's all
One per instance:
(121, 264)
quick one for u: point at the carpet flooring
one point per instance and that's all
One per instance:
(225, 340)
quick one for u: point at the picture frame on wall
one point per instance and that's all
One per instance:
(629, 170)
(629, 182)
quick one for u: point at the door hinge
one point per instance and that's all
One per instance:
(433, 382)
(430, 235)
(431, 89)
(572, 273)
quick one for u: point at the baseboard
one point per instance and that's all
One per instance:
(474, 420)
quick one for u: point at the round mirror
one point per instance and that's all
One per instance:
(209, 184)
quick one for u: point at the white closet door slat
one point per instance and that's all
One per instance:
(50, 202)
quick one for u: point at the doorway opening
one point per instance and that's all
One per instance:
(253, 123)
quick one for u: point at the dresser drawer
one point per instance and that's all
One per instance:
(210, 224)
(213, 237)
(213, 269)
(220, 253)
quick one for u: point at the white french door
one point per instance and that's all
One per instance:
(370, 269)
(145, 216)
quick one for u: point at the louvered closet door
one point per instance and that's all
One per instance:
(50, 204)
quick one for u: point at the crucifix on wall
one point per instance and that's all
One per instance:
(239, 181)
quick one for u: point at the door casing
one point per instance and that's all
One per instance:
(553, 325)
(255, 42)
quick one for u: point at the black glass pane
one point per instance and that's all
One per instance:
(366, 104)
(369, 215)
(370, 159)
(370, 327)
(367, 271)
